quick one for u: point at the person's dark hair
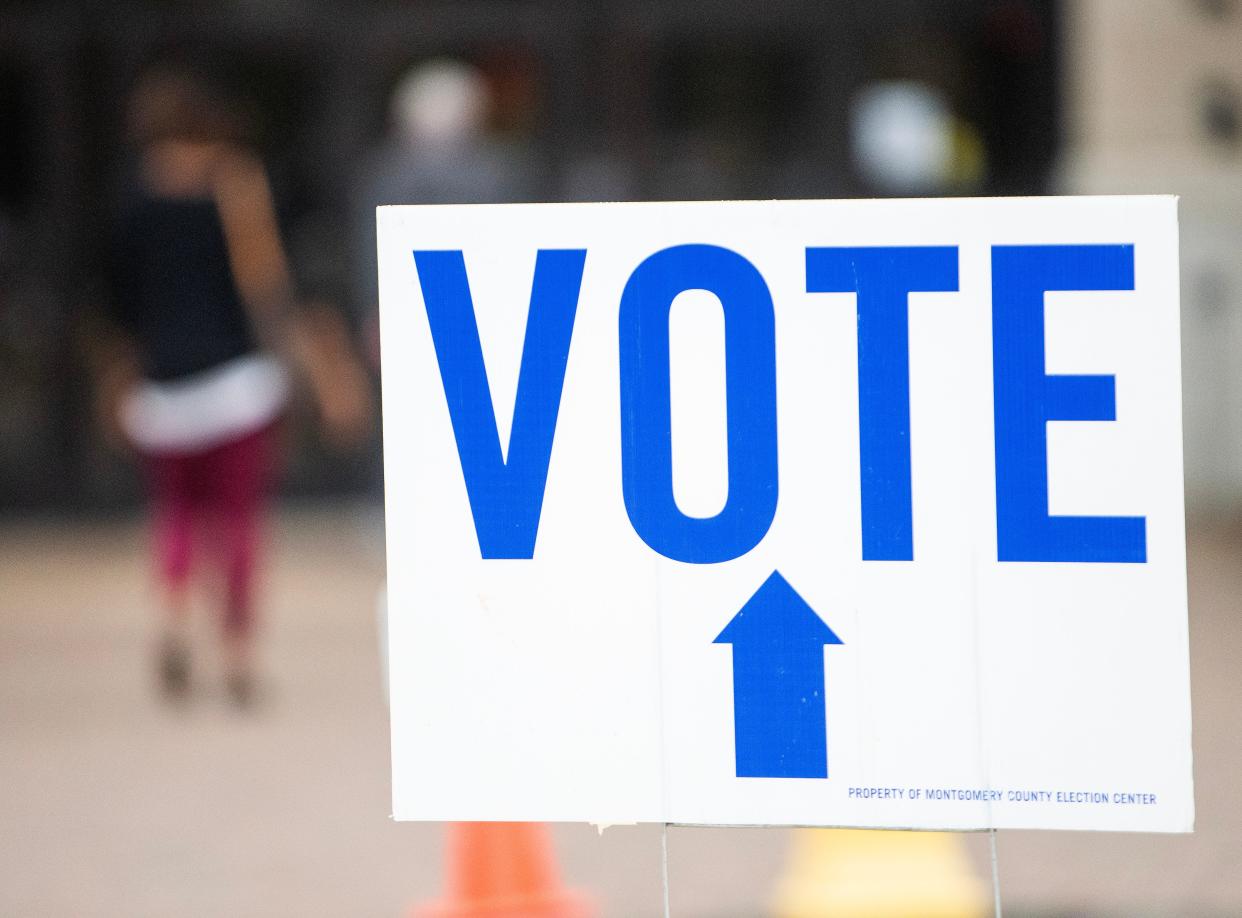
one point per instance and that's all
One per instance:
(171, 102)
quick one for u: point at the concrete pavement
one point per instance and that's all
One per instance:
(113, 805)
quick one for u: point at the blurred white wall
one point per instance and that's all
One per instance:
(1153, 106)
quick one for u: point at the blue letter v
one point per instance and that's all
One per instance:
(506, 494)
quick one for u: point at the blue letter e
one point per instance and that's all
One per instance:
(506, 493)
(1026, 398)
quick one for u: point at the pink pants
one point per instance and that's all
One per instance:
(220, 494)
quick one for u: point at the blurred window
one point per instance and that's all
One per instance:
(724, 112)
(16, 180)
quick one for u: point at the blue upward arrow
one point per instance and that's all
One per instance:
(778, 684)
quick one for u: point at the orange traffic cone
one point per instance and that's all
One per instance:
(503, 870)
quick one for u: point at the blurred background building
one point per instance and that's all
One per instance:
(1153, 104)
(625, 100)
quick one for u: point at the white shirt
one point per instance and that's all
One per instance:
(206, 409)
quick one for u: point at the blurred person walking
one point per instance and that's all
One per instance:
(201, 376)
(439, 150)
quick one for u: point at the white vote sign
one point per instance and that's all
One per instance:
(853, 513)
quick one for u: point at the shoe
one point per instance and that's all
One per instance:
(240, 688)
(174, 670)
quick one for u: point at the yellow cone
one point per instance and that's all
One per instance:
(849, 873)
